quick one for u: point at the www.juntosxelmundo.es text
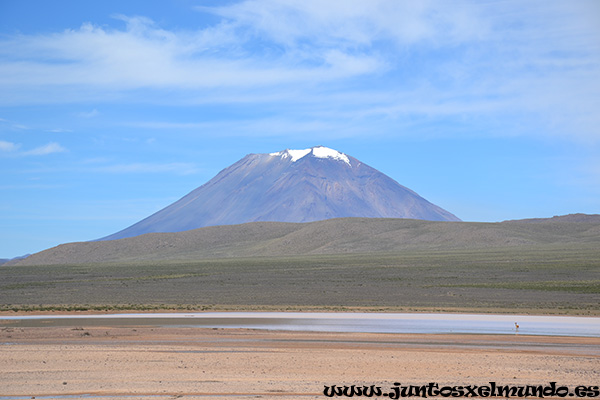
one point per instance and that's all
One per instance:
(433, 389)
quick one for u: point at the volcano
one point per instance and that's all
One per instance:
(290, 186)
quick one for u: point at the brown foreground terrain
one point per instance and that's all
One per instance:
(191, 363)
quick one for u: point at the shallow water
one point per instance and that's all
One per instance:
(332, 322)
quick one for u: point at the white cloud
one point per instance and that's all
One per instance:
(4, 123)
(8, 146)
(89, 114)
(500, 59)
(355, 23)
(143, 56)
(12, 149)
(49, 148)
(59, 130)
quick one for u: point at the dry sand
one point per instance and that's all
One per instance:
(192, 363)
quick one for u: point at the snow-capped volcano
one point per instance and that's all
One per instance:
(290, 186)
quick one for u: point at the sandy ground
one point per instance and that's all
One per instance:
(192, 363)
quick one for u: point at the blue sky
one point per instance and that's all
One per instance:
(111, 110)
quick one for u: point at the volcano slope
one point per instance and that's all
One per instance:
(290, 186)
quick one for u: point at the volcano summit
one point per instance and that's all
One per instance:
(290, 186)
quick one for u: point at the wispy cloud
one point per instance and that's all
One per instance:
(501, 60)
(49, 148)
(13, 149)
(8, 146)
(89, 114)
(12, 125)
(353, 24)
(144, 56)
(59, 130)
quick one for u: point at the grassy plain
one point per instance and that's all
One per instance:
(554, 278)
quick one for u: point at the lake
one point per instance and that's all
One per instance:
(332, 322)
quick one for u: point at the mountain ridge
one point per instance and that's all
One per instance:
(332, 236)
(568, 218)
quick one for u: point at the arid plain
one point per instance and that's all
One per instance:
(191, 363)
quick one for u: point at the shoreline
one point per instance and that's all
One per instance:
(117, 309)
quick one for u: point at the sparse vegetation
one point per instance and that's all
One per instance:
(552, 286)
(551, 278)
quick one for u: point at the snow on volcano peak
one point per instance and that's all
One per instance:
(295, 155)
(326, 152)
(318, 151)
